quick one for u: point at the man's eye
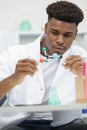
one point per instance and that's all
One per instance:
(68, 35)
(55, 33)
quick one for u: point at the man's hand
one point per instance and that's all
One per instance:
(24, 67)
(74, 64)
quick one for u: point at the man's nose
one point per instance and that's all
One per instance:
(60, 39)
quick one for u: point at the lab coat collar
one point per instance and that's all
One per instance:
(34, 51)
(61, 69)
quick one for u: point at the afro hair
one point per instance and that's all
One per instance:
(65, 11)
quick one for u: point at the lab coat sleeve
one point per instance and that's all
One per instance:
(4, 65)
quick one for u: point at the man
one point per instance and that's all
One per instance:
(22, 73)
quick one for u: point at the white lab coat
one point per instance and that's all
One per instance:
(31, 91)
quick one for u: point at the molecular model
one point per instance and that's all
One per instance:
(53, 56)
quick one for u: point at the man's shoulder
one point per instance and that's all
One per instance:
(16, 47)
(76, 47)
(77, 50)
(15, 50)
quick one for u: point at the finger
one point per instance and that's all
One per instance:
(72, 56)
(25, 70)
(27, 64)
(76, 65)
(76, 69)
(27, 73)
(73, 64)
(28, 60)
(70, 61)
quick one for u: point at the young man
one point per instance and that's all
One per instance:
(22, 73)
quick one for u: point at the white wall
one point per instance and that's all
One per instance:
(12, 12)
(8, 39)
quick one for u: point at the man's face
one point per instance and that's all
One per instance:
(59, 36)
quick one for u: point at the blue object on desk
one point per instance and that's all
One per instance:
(84, 111)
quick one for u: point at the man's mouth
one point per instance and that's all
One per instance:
(58, 50)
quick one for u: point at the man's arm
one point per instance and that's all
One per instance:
(6, 85)
(23, 67)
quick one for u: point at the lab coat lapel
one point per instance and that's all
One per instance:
(35, 48)
(40, 75)
(61, 69)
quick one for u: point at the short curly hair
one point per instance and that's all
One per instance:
(65, 11)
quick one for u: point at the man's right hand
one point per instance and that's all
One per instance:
(24, 67)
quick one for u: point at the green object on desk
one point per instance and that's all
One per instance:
(25, 26)
(53, 97)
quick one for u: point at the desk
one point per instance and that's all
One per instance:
(43, 108)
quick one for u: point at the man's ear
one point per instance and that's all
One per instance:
(76, 34)
(45, 29)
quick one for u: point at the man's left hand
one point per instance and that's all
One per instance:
(74, 64)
